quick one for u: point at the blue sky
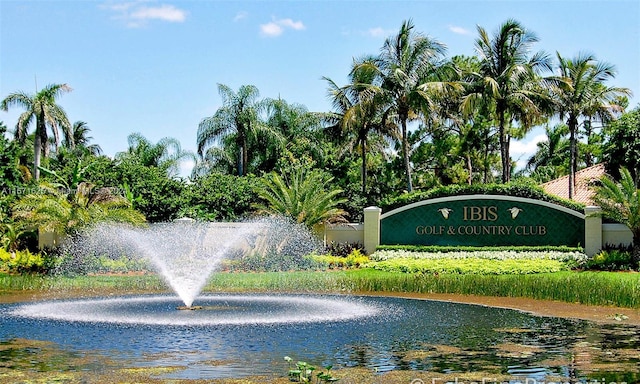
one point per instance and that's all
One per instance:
(152, 66)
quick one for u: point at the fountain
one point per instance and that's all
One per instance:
(185, 253)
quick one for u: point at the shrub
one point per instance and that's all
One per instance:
(469, 266)
(344, 249)
(570, 259)
(612, 260)
(22, 262)
(355, 259)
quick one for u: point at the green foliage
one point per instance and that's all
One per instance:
(302, 372)
(166, 154)
(510, 189)
(622, 148)
(612, 260)
(355, 259)
(219, 197)
(343, 249)
(42, 109)
(621, 202)
(469, 266)
(156, 195)
(66, 211)
(302, 195)
(270, 262)
(592, 288)
(21, 262)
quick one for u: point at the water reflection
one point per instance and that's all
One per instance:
(411, 335)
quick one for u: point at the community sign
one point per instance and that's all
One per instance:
(483, 220)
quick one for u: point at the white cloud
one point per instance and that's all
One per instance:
(377, 32)
(240, 16)
(138, 13)
(277, 26)
(459, 30)
(522, 150)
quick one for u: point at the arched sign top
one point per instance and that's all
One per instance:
(482, 220)
(486, 197)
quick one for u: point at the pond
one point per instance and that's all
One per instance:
(242, 335)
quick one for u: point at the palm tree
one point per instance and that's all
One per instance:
(581, 93)
(301, 195)
(294, 136)
(238, 118)
(42, 108)
(406, 62)
(357, 112)
(508, 80)
(80, 139)
(621, 202)
(66, 211)
(166, 154)
(552, 152)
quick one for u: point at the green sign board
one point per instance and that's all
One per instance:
(482, 220)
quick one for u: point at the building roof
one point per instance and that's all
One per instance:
(584, 179)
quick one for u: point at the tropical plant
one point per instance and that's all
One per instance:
(42, 109)
(622, 148)
(81, 139)
(357, 113)
(166, 154)
(552, 152)
(620, 201)
(581, 93)
(294, 139)
(406, 64)
(66, 211)
(302, 195)
(508, 83)
(237, 122)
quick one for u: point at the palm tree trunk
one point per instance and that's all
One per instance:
(37, 150)
(405, 155)
(37, 144)
(364, 166)
(504, 145)
(572, 155)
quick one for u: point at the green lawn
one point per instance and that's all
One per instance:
(594, 288)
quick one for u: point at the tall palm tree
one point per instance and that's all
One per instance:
(165, 154)
(621, 202)
(508, 80)
(238, 117)
(357, 112)
(405, 63)
(581, 93)
(42, 109)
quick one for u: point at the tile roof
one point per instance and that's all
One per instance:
(581, 193)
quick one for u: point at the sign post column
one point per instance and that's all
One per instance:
(371, 229)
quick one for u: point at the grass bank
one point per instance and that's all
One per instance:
(591, 288)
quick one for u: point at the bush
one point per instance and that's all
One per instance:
(612, 260)
(573, 259)
(355, 259)
(344, 249)
(22, 262)
(469, 266)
